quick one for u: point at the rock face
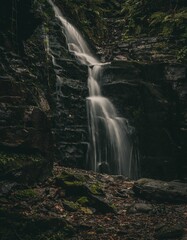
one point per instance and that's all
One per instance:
(46, 116)
(148, 94)
(25, 128)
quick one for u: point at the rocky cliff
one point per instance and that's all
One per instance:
(25, 121)
(43, 119)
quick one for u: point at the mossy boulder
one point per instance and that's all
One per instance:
(86, 193)
(71, 177)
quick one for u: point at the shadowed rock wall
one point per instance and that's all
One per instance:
(42, 120)
(153, 98)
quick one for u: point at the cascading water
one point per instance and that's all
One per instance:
(111, 148)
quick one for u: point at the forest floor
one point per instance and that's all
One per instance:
(77, 204)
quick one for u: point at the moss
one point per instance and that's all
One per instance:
(73, 184)
(26, 194)
(68, 176)
(83, 200)
(86, 210)
(12, 161)
(96, 189)
(30, 167)
(71, 206)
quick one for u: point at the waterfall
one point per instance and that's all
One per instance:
(111, 147)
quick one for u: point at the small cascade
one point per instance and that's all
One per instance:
(111, 147)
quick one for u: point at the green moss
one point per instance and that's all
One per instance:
(12, 161)
(83, 200)
(73, 184)
(25, 194)
(68, 176)
(28, 166)
(86, 210)
(96, 189)
(71, 206)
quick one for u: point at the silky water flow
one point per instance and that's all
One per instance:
(111, 147)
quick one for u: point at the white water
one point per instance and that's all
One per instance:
(110, 147)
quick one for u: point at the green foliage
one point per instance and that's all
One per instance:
(169, 24)
(154, 18)
(149, 18)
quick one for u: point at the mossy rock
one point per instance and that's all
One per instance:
(96, 189)
(27, 168)
(69, 180)
(90, 195)
(75, 188)
(69, 176)
(76, 206)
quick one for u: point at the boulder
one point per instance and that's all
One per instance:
(156, 190)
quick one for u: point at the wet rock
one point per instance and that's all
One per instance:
(157, 190)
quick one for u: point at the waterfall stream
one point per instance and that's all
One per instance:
(111, 148)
